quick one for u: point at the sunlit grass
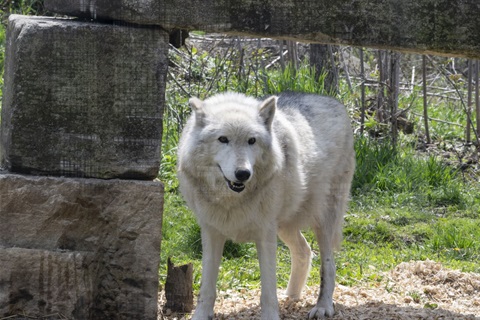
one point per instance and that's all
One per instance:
(404, 207)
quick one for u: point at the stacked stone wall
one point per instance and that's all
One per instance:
(80, 214)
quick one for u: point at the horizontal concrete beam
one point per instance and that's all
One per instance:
(424, 26)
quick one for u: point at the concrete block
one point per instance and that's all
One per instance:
(83, 99)
(84, 248)
(422, 26)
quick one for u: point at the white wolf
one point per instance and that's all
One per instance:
(252, 170)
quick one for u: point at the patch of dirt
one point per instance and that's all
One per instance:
(414, 290)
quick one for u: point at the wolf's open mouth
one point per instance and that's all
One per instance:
(235, 186)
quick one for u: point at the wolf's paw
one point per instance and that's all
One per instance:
(270, 314)
(202, 314)
(270, 317)
(320, 312)
(202, 317)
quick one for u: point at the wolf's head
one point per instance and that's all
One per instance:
(234, 136)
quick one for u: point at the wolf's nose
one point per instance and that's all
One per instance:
(242, 174)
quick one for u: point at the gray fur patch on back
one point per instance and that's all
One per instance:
(308, 104)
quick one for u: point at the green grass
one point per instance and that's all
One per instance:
(406, 205)
(399, 177)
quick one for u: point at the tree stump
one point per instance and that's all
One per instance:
(178, 288)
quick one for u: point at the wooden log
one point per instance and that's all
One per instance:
(178, 288)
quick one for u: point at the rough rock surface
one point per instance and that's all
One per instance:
(440, 26)
(41, 282)
(83, 99)
(84, 248)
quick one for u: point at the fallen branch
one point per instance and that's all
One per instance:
(438, 120)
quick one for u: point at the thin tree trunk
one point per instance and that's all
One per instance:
(241, 71)
(469, 101)
(362, 103)
(321, 58)
(282, 58)
(394, 86)
(477, 99)
(262, 66)
(382, 70)
(334, 69)
(345, 70)
(292, 53)
(425, 98)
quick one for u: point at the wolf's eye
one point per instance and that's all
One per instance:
(223, 139)
(252, 141)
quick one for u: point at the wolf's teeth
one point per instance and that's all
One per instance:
(235, 186)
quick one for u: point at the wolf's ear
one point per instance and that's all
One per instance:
(197, 107)
(267, 110)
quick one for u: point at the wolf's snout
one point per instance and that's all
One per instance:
(242, 174)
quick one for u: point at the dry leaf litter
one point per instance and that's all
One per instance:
(414, 290)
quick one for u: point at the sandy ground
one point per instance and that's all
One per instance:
(414, 290)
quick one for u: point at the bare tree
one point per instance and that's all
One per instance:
(425, 102)
(321, 58)
(292, 53)
(383, 75)
(394, 90)
(468, 127)
(362, 103)
(477, 99)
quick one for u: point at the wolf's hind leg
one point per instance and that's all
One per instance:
(301, 257)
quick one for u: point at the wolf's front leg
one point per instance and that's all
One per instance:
(267, 256)
(324, 307)
(212, 246)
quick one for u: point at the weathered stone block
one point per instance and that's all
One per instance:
(84, 248)
(83, 99)
(439, 26)
(41, 282)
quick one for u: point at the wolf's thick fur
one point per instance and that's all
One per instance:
(252, 170)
